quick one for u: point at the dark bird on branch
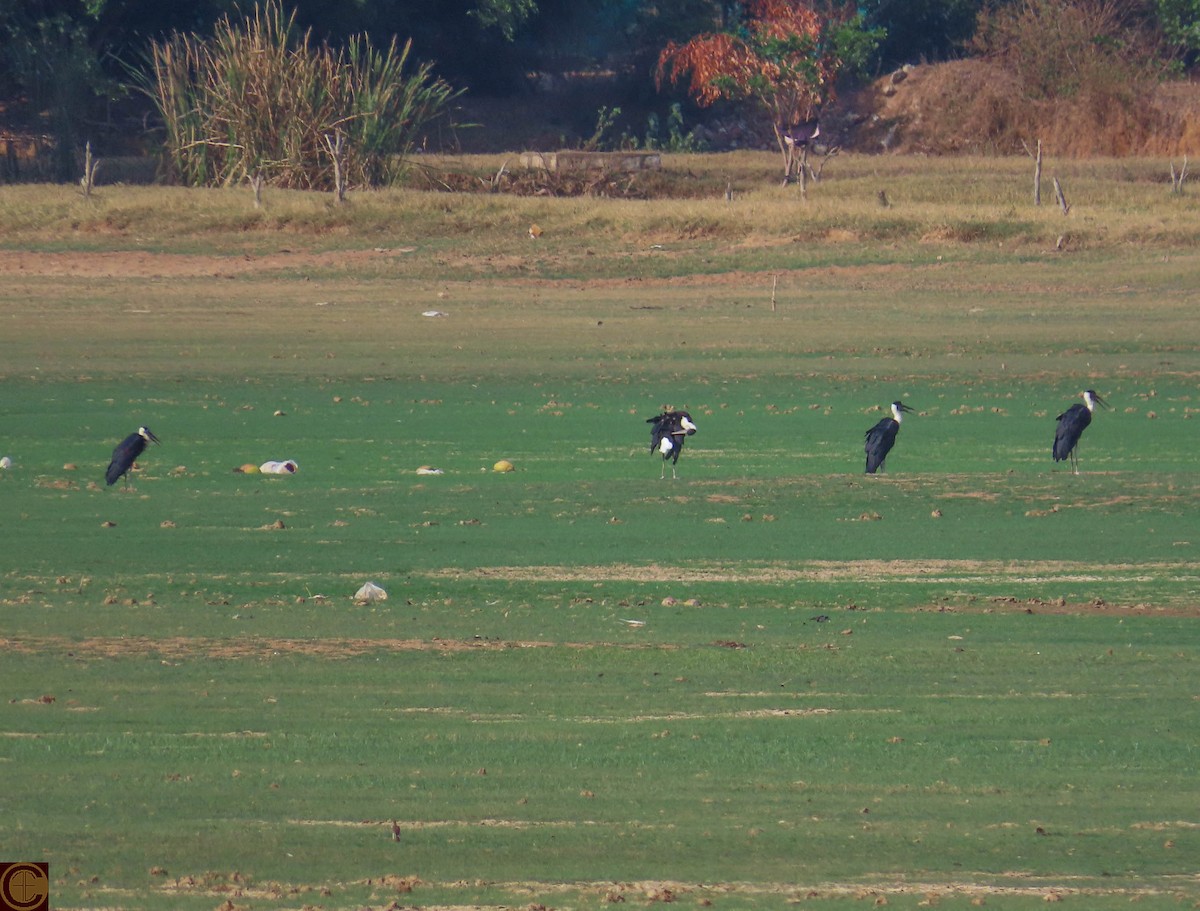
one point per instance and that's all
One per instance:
(882, 437)
(126, 454)
(1071, 425)
(670, 429)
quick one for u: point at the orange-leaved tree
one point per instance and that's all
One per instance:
(783, 54)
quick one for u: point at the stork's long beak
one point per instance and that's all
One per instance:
(905, 408)
(150, 435)
(1100, 401)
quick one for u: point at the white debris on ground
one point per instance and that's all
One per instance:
(429, 469)
(288, 466)
(370, 592)
(434, 313)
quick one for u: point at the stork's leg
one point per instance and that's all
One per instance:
(663, 473)
(1075, 460)
(674, 476)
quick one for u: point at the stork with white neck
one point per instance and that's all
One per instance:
(1071, 425)
(882, 437)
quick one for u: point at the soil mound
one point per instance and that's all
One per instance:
(974, 106)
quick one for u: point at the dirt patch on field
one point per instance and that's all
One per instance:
(127, 264)
(813, 571)
(139, 264)
(1063, 606)
(179, 648)
(965, 573)
(927, 892)
(833, 570)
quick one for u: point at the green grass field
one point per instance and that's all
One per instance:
(968, 681)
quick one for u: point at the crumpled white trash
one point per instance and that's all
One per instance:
(286, 467)
(369, 593)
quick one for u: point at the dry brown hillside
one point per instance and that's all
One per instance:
(973, 106)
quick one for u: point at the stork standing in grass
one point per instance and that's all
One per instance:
(126, 454)
(882, 437)
(670, 429)
(1071, 425)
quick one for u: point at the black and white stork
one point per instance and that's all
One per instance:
(800, 135)
(126, 454)
(882, 437)
(670, 429)
(1071, 425)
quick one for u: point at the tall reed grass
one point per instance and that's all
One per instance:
(257, 99)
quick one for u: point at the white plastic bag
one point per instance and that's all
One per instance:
(369, 593)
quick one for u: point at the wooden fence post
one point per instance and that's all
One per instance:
(1037, 171)
(1061, 197)
(89, 171)
(336, 146)
(1178, 179)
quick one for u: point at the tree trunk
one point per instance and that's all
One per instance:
(1037, 176)
(789, 155)
(1061, 197)
(336, 146)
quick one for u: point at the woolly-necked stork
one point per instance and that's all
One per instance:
(882, 437)
(126, 454)
(1071, 425)
(801, 134)
(670, 429)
